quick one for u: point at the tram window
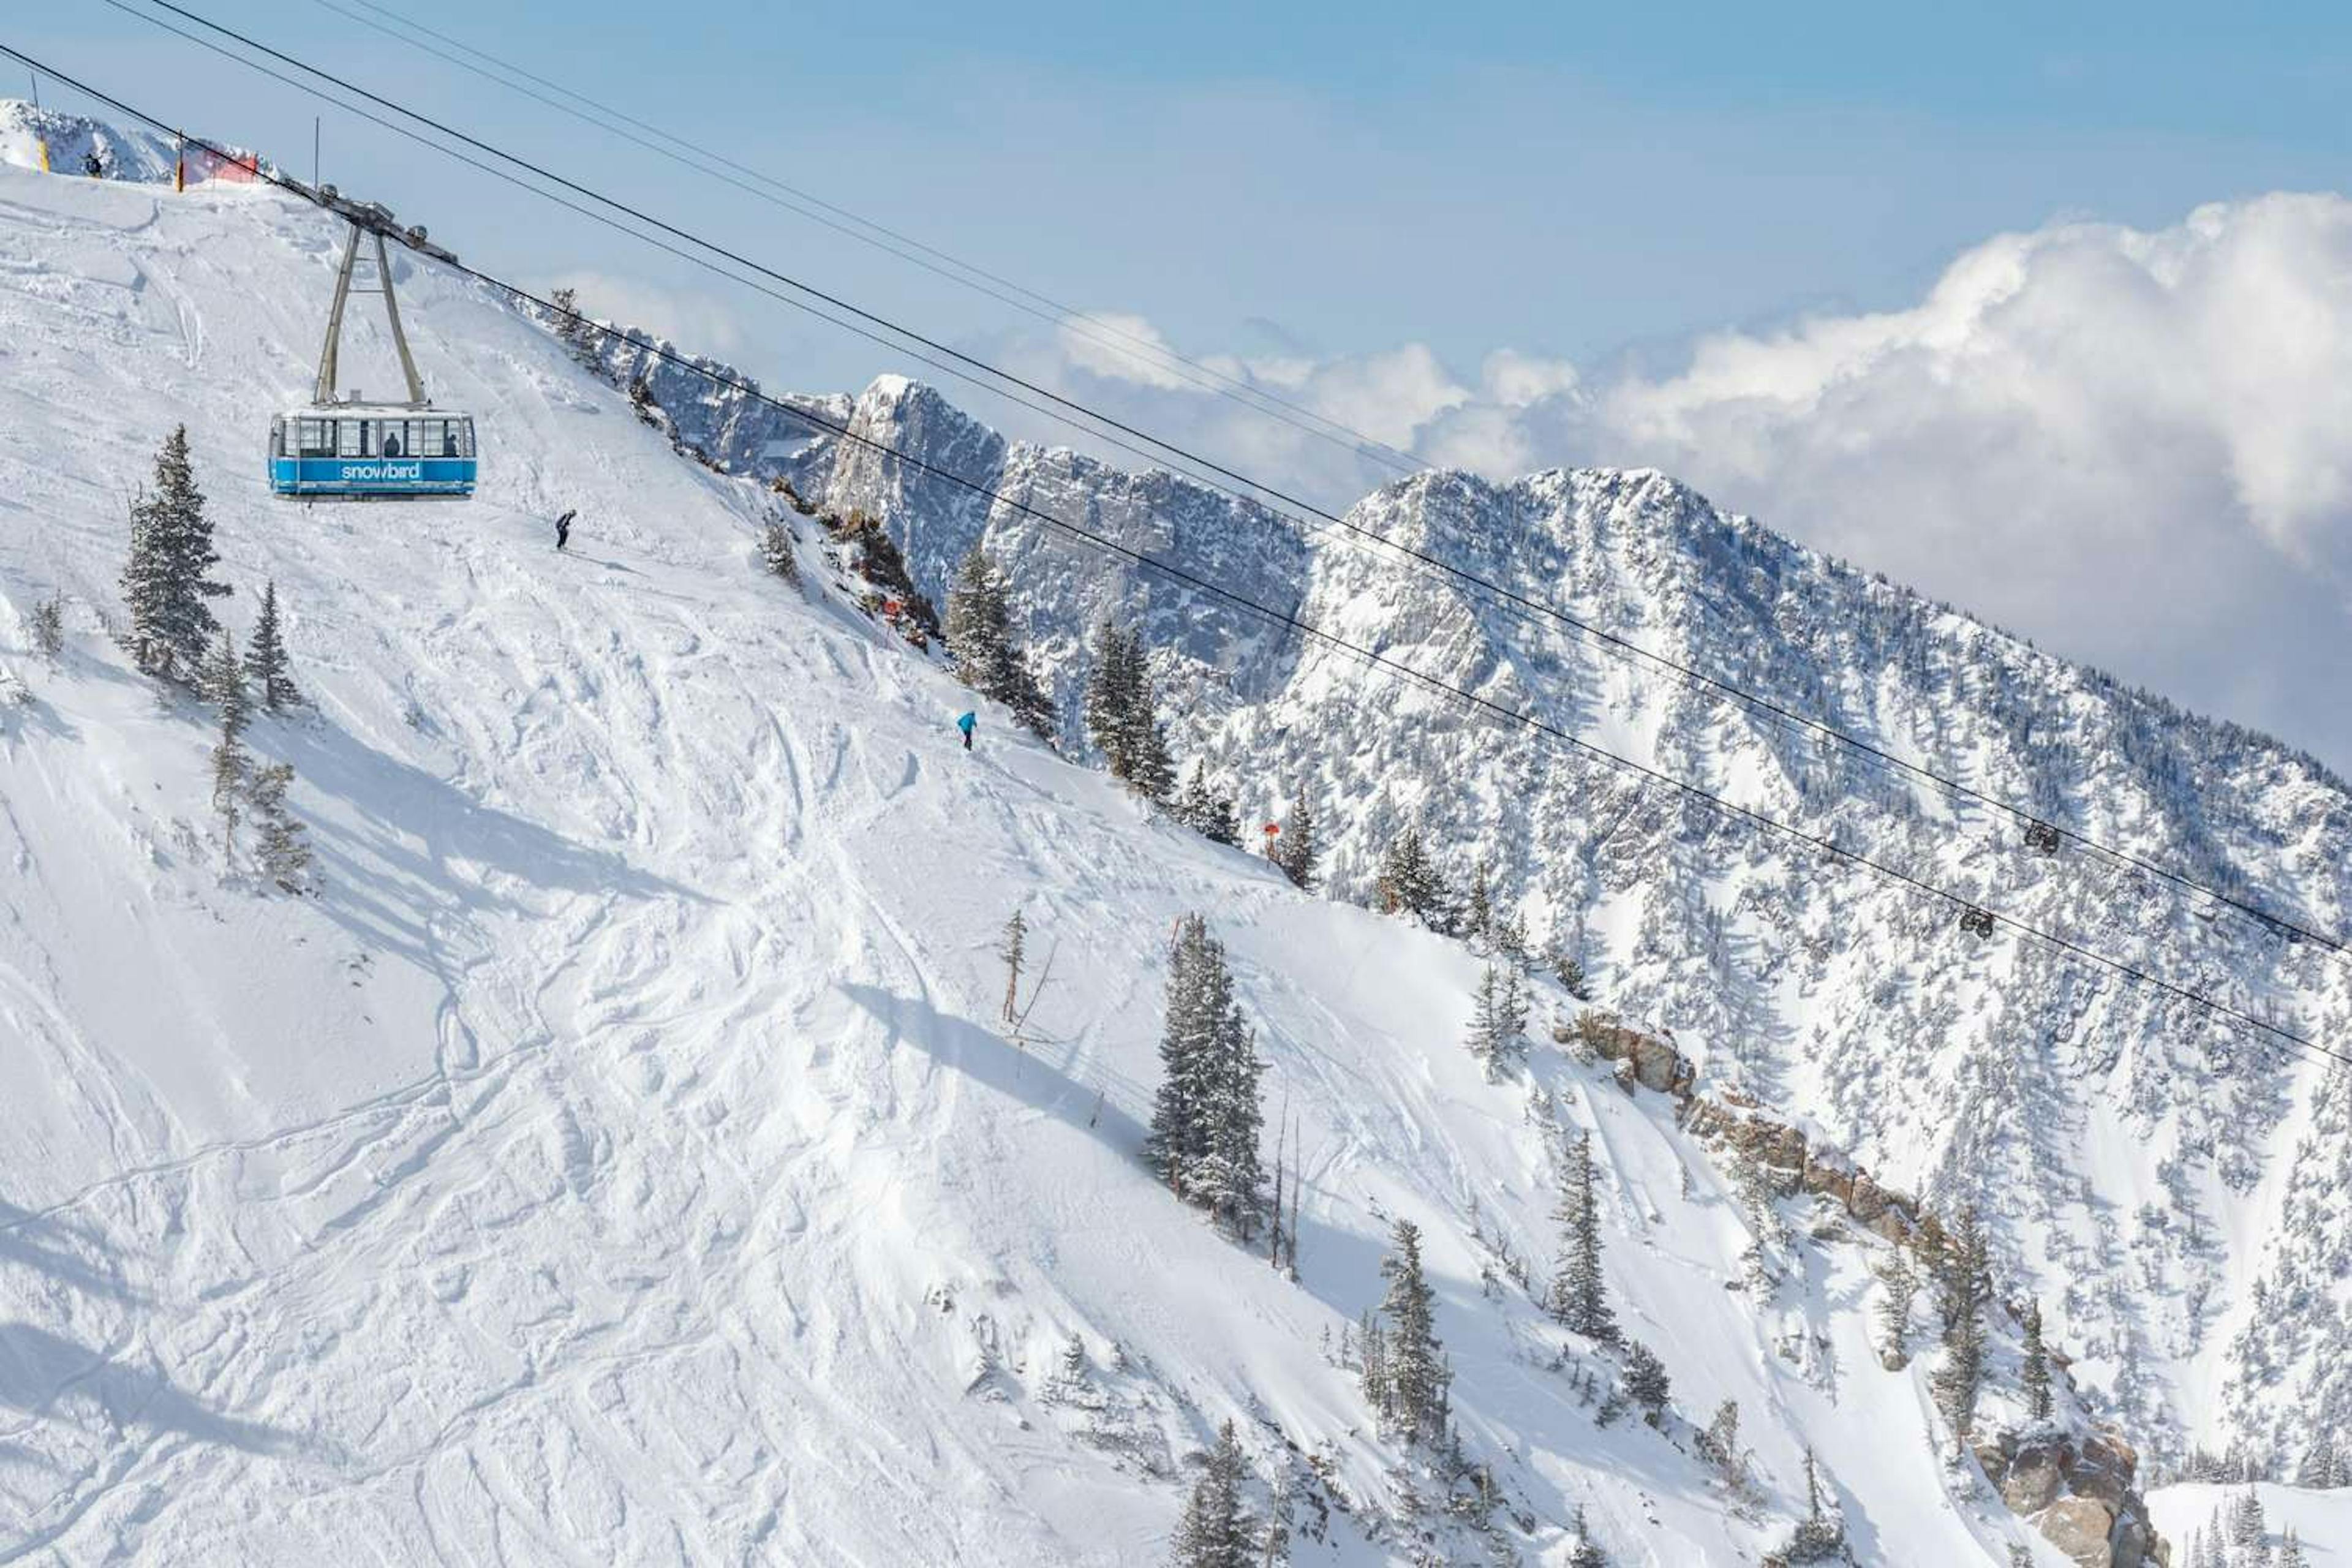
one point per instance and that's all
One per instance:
(278, 438)
(465, 437)
(347, 438)
(316, 438)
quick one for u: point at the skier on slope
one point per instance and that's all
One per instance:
(968, 722)
(564, 529)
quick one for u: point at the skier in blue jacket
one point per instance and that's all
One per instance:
(967, 723)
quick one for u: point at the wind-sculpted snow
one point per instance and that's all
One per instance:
(2151, 1166)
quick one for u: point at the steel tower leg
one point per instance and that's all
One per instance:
(324, 393)
(399, 338)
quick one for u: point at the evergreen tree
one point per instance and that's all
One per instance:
(220, 680)
(1015, 952)
(1902, 1282)
(1819, 1536)
(1417, 1375)
(2321, 1465)
(166, 581)
(265, 656)
(1478, 912)
(1578, 1297)
(1205, 812)
(281, 850)
(1646, 1384)
(1720, 1447)
(2249, 1531)
(2036, 1379)
(1963, 1286)
(224, 684)
(1587, 1552)
(1206, 1117)
(1217, 1530)
(1498, 1020)
(777, 554)
(1120, 712)
(1294, 850)
(2290, 1552)
(1373, 1361)
(980, 637)
(49, 627)
(1570, 969)
(1410, 882)
(1229, 1181)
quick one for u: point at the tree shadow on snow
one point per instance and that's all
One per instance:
(989, 1059)
(47, 1376)
(447, 851)
(60, 1251)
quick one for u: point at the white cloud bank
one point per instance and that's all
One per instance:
(2134, 446)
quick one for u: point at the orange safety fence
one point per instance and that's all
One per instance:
(197, 164)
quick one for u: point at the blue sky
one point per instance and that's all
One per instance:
(1762, 249)
(1565, 180)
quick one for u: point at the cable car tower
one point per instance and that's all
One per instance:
(349, 448)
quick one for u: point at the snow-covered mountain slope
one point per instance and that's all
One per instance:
(2166, 1184)
(28, 135)
(622, 1159)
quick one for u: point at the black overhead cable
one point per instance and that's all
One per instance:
(2279, 1035)
(1075, 413)
(867, 231)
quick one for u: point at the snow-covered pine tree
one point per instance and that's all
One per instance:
(1294, 850)
(2248, 1531)
(1646, 1384)
(1121, 715)
(1587, 1552)
(2290, 1553)
(2320, 1463)
(1570, 971)
(566, 303)
(1217, 1530)
(166, 581)
(1014, 952)
(2033, 1381)
(280, 845)
(1206, 1118)
(1107, 695)
(1410, 882)
(980, 639)
(49, 627)
(1150, 770)
(1718, 1444)
(1578, 1297)
(1195, 1007)
(1229, 1180)
(1417, 1375)
(265, 656)
(1819, 1536)
(1902, 1283)
(776, 553)
(1204, 811)
(1963, 1286)
(1495, 1037)
(1478, 909)
(1373, 1360)
(222, 679)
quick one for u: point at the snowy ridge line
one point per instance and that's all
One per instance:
(1043, 307)
(1722, 690)
(2304, 1045)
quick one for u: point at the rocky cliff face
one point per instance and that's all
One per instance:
(2162, 1182)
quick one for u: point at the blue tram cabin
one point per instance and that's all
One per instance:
(353, 452)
